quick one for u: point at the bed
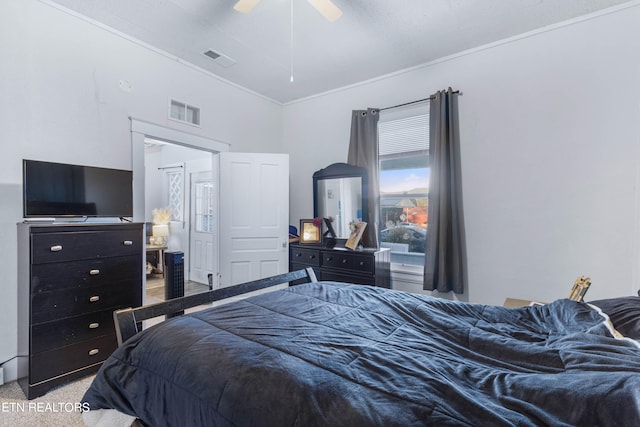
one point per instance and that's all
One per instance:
(336, 354)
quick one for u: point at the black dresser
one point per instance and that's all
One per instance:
(70, 280)
(366, 266)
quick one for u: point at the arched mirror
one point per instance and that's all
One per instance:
(339, 192)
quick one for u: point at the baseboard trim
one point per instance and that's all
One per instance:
(9, 371)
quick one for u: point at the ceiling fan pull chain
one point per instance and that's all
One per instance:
(291, 45)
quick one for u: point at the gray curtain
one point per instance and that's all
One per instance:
(445, 267)
(363, 152)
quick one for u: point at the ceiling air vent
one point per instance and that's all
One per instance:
(220, 58)
(184, 113)
(211, 54)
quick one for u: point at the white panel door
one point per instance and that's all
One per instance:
(202, 226)
(254, 216)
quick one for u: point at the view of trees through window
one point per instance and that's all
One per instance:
(404, 187)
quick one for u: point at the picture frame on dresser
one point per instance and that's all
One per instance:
(356, 234)
(310, 233)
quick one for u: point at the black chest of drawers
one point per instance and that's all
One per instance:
(367, 266)
(70, 280)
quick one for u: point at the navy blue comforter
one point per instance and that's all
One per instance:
(330, 354)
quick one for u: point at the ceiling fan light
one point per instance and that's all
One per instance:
(327, 9)
(245, 6)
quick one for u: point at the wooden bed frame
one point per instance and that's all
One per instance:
(128, 321)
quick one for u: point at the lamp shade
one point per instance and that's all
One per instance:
(161, 230)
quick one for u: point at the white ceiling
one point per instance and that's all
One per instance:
(371, 39)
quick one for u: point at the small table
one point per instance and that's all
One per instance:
(159, 254)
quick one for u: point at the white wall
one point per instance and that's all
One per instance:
(550, 129)
(60, 100)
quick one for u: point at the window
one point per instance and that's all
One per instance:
(204, 207)
(403, 136)
(174, 195)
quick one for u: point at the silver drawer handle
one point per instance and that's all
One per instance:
(94, 298)
(94, 272)
(95, 325)
(344, 261)
(128, 242)
(56, 248)
(94, 351)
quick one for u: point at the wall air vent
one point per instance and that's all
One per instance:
(184, 113)
(220, 58)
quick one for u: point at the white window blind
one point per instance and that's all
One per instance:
(403, 135)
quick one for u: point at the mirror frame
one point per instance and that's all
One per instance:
(342, 170)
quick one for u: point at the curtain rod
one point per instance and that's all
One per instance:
(413, 102)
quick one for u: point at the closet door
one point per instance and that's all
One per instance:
(254, 216)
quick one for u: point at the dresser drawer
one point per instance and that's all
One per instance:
(68, 246)
(348, 261)
(85, 273)
(54, 305)
(72, 330)
(66, 359)
(307, 257)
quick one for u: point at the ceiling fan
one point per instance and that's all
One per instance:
(326, 8)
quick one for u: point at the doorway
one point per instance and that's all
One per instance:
(253, 219)
(181, 179)
(163, 158)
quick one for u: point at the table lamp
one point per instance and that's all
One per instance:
(160, 233)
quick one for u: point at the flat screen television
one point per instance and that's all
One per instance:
(58, 190)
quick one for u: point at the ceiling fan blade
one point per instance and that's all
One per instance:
(245, 6)
(327, 9)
